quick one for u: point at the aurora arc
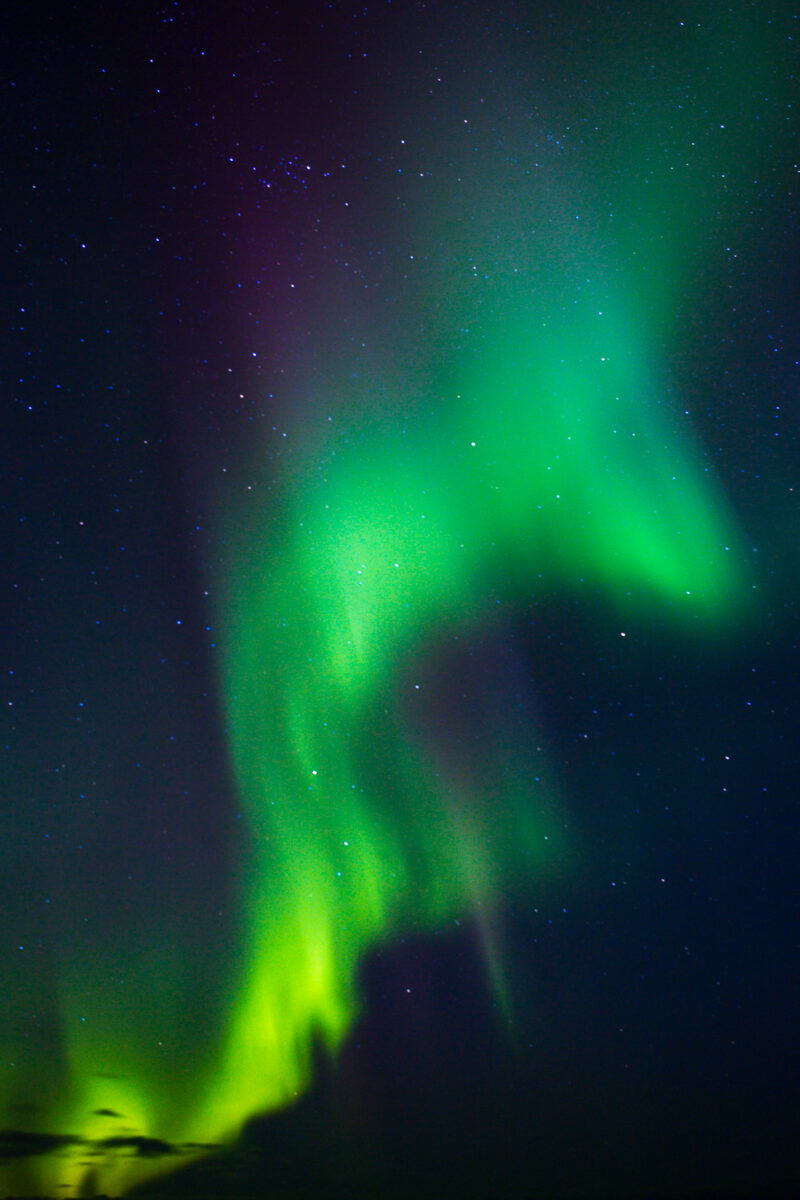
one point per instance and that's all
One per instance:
(549, 471)
(553, 458)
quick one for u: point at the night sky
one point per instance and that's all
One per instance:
(399, 482)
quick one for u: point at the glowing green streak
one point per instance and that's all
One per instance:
(553, 464)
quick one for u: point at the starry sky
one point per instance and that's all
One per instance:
(399, 497)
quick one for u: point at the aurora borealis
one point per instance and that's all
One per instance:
(548, 483)
(400, 563)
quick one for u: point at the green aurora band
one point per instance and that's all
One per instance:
(551, 460)
(548, 471)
